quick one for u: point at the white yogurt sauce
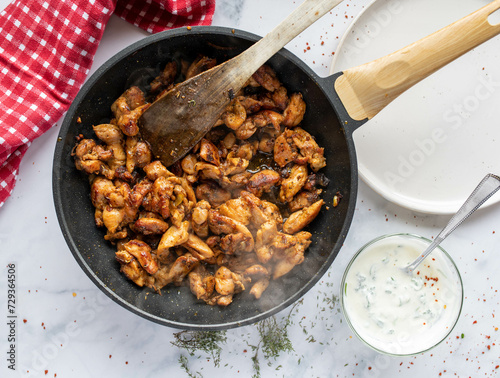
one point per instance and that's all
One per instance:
(396, 312)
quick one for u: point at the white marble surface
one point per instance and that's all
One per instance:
(71, 329)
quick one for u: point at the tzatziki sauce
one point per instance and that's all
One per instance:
(396, 312)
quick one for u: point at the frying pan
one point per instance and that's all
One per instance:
(325, 118)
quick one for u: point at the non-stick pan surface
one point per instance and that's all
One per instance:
(176, 306)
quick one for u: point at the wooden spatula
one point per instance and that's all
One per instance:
(177, 121)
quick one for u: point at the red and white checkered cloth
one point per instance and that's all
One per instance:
(46, 50)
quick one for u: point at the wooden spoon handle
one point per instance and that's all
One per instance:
(367, 89)
(301, 18)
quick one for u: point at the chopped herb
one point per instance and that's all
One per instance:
(274, 336)
(462, 335)
(183, 360)
(273, 339)
(205, 341)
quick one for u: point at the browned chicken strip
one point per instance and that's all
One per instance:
(142, 252)
(294, 112)
(298, 220)
(176, 272)
(172, 237)
(291, 185)
(198, 248)
(220, 224)
(263, 181)
(294, 255)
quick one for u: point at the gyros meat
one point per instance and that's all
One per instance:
(228, 217)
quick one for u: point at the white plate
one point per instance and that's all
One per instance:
(429, 148)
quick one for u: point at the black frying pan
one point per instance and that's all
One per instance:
(178, 307)
(326, 119)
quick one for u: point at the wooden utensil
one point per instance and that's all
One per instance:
(175, 123)
(178, 120)
(367, 89)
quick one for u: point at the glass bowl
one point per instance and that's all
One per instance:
(396, 313)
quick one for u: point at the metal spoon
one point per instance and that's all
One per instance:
(176, 122)
(486, 188)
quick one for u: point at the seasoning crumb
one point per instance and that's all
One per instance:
(74, 294)
(25, 321)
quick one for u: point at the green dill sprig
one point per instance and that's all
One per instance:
(183, 360)
(201, 341)
(274, 339)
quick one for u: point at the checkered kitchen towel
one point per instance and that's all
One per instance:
(46, 51)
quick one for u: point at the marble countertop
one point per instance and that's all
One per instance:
(67, 328)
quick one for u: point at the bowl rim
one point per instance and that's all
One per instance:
(410, 236)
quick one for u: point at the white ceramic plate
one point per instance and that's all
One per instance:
(429, 148)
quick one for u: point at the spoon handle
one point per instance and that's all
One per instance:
(486, 188)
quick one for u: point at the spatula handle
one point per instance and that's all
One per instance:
(302, 17)
(367, 89)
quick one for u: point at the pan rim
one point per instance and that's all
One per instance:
(61, 216)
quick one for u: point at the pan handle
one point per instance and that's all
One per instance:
(367, 89)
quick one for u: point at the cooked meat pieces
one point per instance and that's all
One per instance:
(209, 152)
(235, 115)
(303, 199)
(201, 64)
(211, 192)
(134, 272)
(266, 77)
(155, 170)
(263, 181)
(259, 120)
(291, 185)
(91, 158)
(285, 151)
(113, 137)
(127, 110)
(237, 209)
(165, 79)
(199, 218)
(295, 110)
(227, 282)
(150, 226)
(138, 154)
(142, 252)
(298, 146)
(300, 219)
(237, 236)
(175, 272)
(201, 282)
(309, 149)
(286, 259)
(259, 287)
(175, 235)
(198, 248)
(214, 220)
